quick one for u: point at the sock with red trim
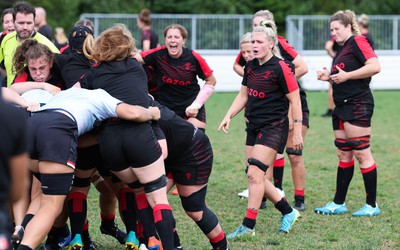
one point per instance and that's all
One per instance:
(370, 176)
(279, 165)
(127, 208)
(145, 213)
(283, 206)
(250, 219)
(164, 220)
(344, 175)
(219, 241)
(77, 211)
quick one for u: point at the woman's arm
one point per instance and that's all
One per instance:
(137, 113)
(370, 68)
(300, 67)
(22, 87)
(297, 116)
(237, 105)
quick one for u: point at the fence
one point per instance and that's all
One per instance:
(208, 33)
(309, 33)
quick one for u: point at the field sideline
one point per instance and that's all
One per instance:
(312, 231)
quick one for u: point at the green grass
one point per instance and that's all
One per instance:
(312, 231)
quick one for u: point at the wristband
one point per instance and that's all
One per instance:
(299, 121)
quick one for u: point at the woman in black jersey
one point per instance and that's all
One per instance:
(130, 150)
(177, 69)
(265, 17)
(149, 39)
(353, 66)
(268, 86)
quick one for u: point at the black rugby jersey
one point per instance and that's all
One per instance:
(177, 77)
(267, 86)
(351, 56)
(150, 35)
(125, 80)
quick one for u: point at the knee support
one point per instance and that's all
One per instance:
(81, 182)
(342, 144)
(135, 185)
(156, 184)
(259, 164)
(291, 151)
(196, 203)
(359, 143)
(57, 184)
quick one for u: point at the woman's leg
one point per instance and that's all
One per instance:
(52, 201)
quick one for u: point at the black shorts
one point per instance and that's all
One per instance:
(357, 112)
(201, 116)
(304, 109)
(5, 225)
(89, 158)
(273, 135)
(126, 144)
(193, 165)
(53, 136)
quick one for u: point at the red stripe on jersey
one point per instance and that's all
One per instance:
(365, 47)
(203, 64)
(287, 47)
(21, 77)
(145, 53)
(238, 57)
(290, 79)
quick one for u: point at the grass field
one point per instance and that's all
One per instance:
(312, 231)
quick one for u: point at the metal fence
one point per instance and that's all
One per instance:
(213, 34)
(309, 33)
(220, 34)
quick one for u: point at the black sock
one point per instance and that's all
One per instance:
(127, 209)
(344, 175)
(77, 211)
(283, 206)
(219, 242)
(107, 221)
(145, 213)
(370, 182)
(164, 220)
(85, 234)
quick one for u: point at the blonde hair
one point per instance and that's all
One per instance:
(271, 36)
(115, 43)
(246, 38)
(346, 17)
(266, 14)
(363, 20)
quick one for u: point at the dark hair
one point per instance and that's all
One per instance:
(182, 29)
(144, 16)
(24, 8)
(5, 12)
(28, 50)
(346, 17)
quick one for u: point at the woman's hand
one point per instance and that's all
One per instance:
(51, 88)
(225, 125)
(323, 75)
(340, 77)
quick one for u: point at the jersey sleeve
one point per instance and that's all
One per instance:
(287, 79)
(365, 49)
(150, 56)
(288, 52)
(240, 60)
(203, 70)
